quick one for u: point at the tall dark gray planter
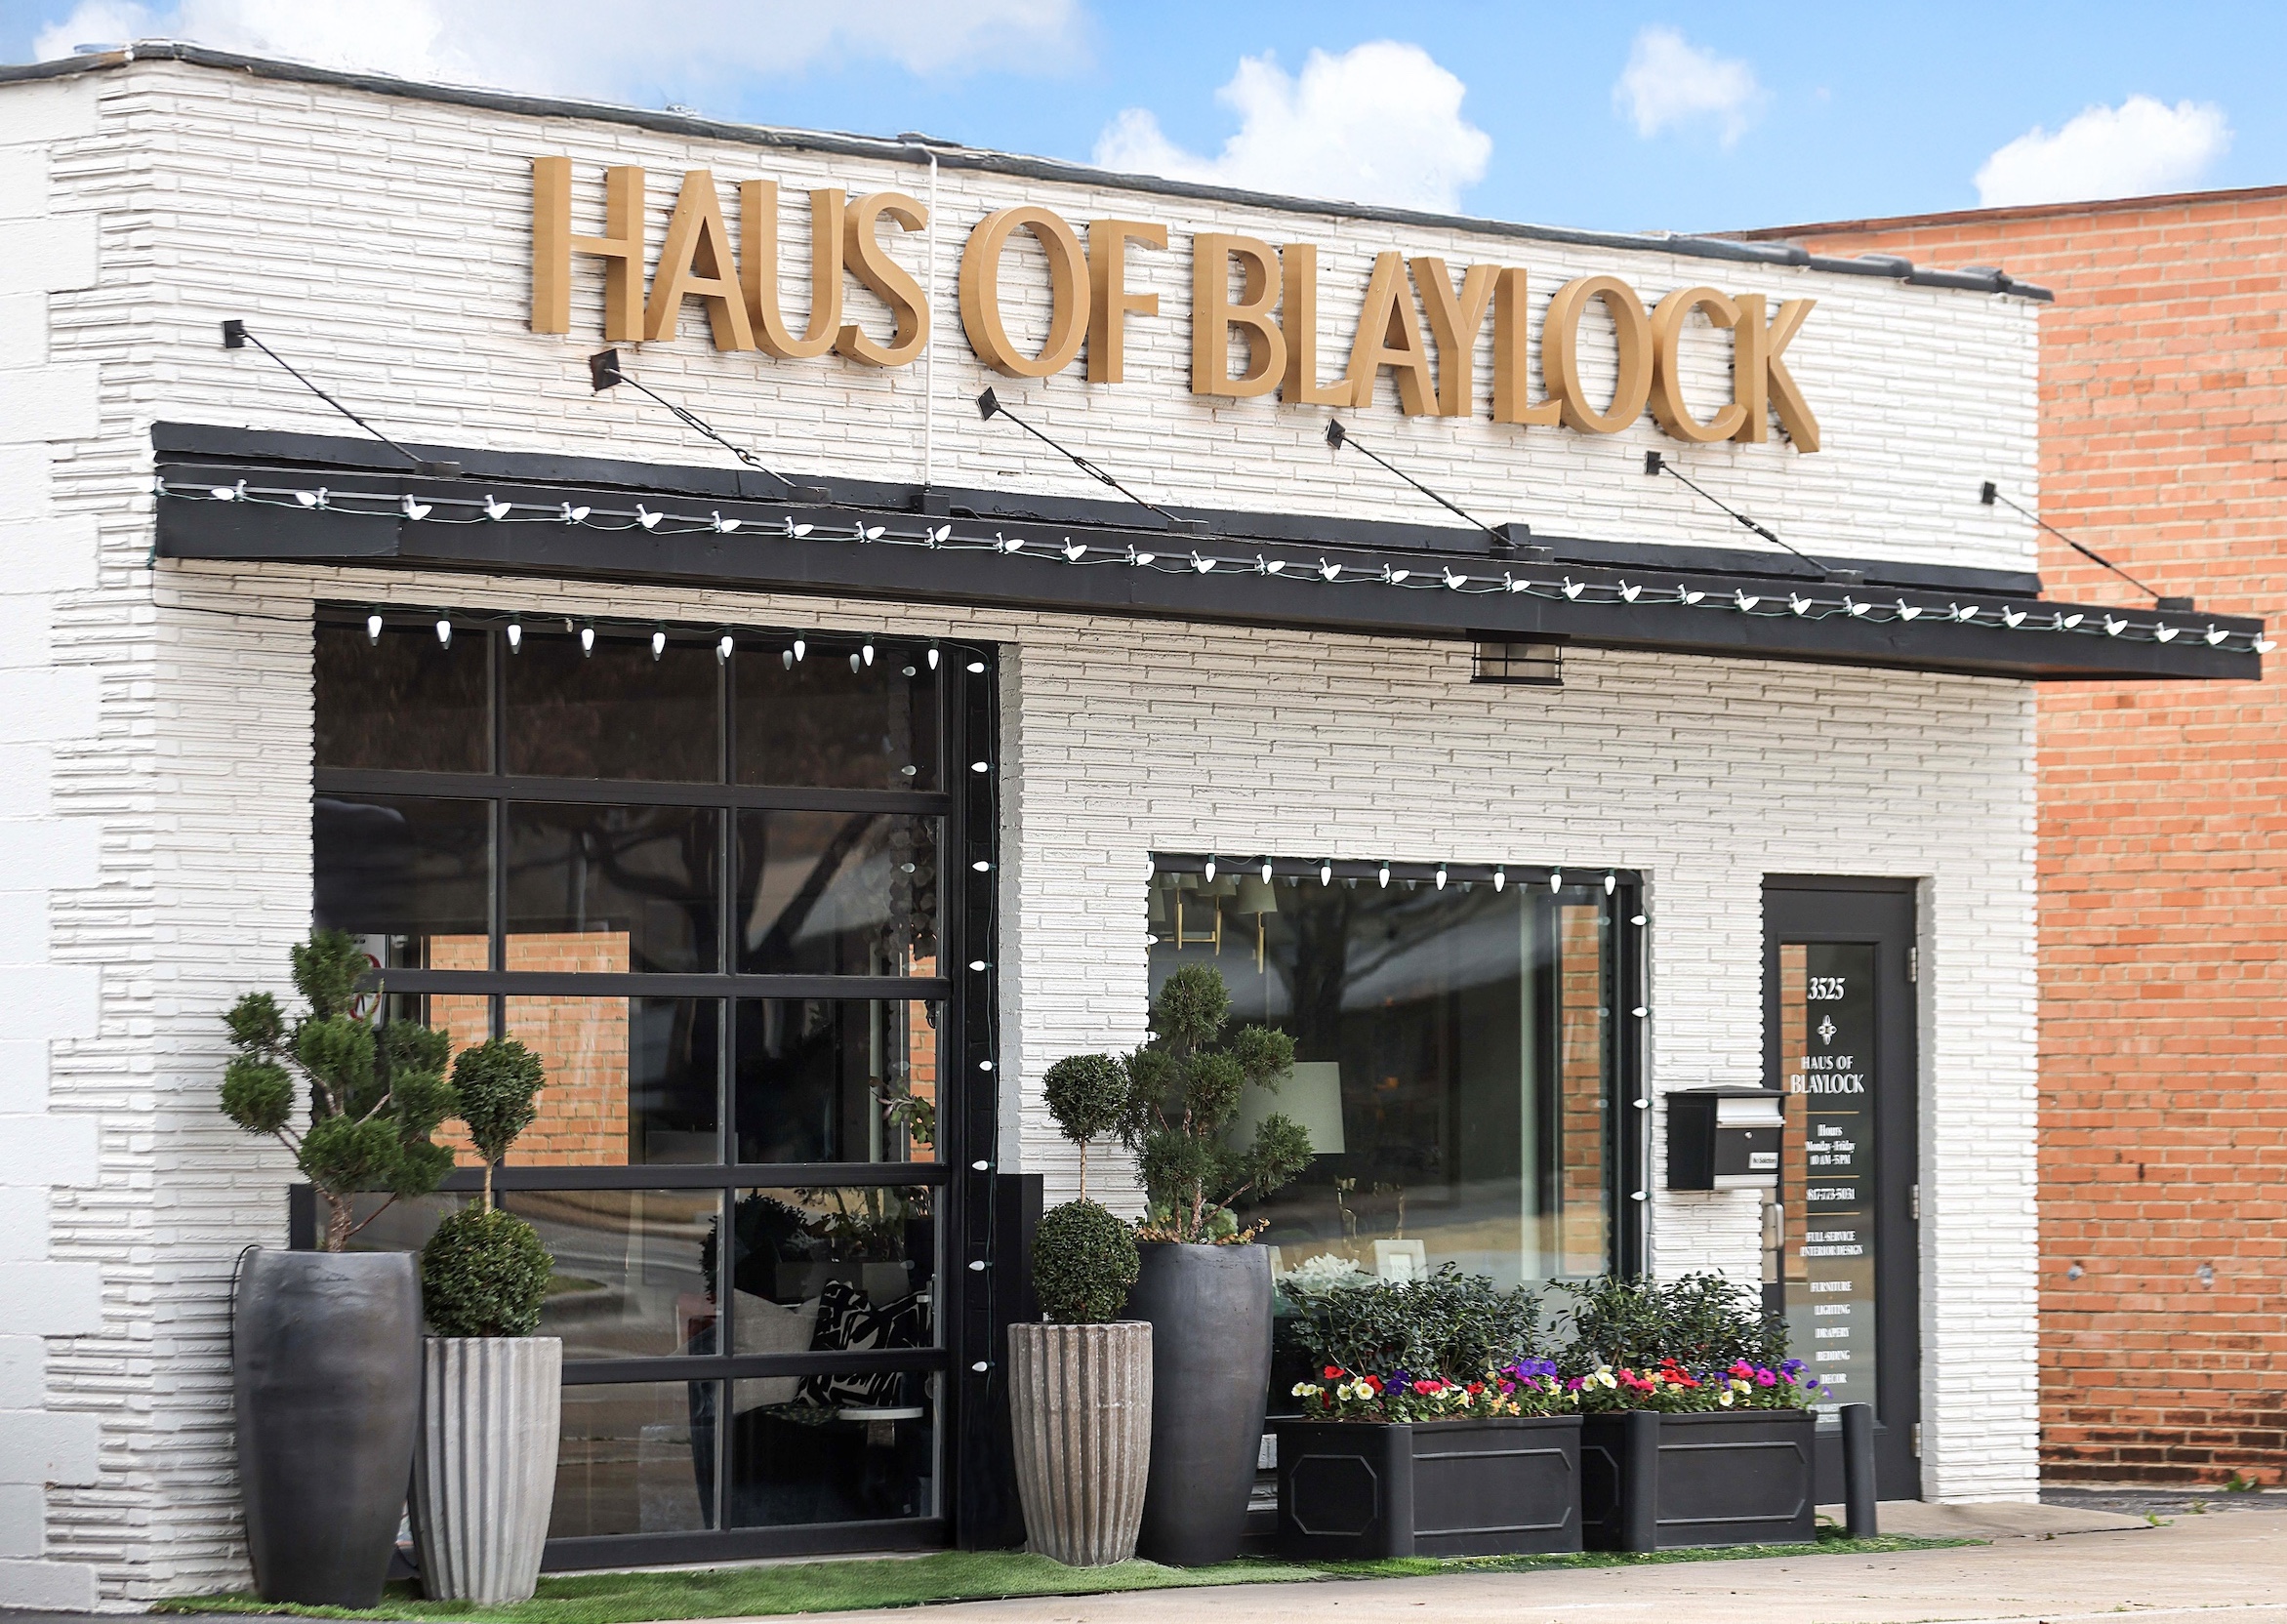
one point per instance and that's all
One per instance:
(326, 1355)
(1210, 1308)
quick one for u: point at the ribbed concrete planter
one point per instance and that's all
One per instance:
(484, 1464)
(1080, 1398)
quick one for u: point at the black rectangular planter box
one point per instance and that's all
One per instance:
(1651, 1481)
(1359, 1490)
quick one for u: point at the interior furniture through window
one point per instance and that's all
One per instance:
(1464, 1057)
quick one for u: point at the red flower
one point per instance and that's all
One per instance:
(1332, 1372)
(1375, 1382)
(1476, 1388)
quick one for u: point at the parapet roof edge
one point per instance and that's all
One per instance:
(2215, 197)
(954, 156)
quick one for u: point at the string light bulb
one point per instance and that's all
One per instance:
(976, 668)
(1266, 871)
(933, 656)
(373, 627)
(1384, 876)
(658, 643)
(855, 664)
(1326, 873)
(1210, 870)
(800, 648)
(1441, 877)
(723, 648)
(515, 635)
(444, 631)
(1612, 883)
(586, 639)
(1556, 879)
(868, 651)
(1501, 877)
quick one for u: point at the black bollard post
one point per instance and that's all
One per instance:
(1640, 1481)
(1857, 1471)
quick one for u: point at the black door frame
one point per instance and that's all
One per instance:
(1818, 907)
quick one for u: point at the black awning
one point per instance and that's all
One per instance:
(240, 495)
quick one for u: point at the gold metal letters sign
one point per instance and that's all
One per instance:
(1419, 321)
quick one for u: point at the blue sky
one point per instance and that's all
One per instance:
(1618, 116)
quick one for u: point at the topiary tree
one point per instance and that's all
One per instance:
(376, 1093)
(484, 1273)
(1183, 1089)
(1087, 1095)
(1084, 1258)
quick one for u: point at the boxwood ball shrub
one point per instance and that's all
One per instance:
(1084, 1262)
(484, 1273)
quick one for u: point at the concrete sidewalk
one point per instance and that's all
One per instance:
(2228, 1569)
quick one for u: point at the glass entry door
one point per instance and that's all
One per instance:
(1839, 1256)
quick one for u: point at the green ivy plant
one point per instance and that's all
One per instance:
(1183, 1088)
(376, 1093)
(1084, 1258)
(484, 1272)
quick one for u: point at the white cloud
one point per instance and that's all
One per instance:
(1380, 123)
(2142, 145)
(1670, 83)
(600, 48)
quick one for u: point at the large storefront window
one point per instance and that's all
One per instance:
(709, 893)
(1457, 1060)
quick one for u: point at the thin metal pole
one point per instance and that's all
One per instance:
(1858, 1472)
(929, 352)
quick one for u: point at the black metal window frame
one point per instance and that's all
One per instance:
(1625, 928)
(966, 991)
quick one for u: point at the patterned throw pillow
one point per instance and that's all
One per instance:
(846, 1321)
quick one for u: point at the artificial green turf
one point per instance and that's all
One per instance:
(950, 1576)
(782, 1588)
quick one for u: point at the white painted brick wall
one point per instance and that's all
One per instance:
(48, 703)
(382, 242)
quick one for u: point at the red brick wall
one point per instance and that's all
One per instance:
(2163, 835)
(580, 1041)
